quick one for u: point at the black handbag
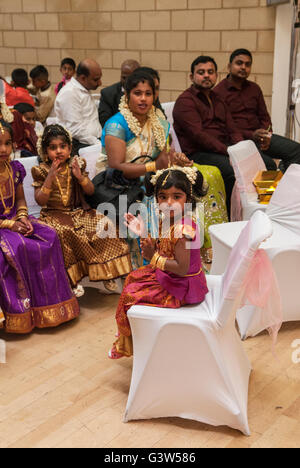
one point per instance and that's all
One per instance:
(111, 184)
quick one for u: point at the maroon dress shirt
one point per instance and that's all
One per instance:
(247, 106)
(203, 126)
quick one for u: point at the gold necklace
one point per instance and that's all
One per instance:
(8, 209)
(147, 153)
(64, 196)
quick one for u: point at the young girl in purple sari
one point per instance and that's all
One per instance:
(174, 276)
(34, 288)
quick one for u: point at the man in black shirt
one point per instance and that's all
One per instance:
(111, 96)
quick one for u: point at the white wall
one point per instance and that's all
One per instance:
(283, 33)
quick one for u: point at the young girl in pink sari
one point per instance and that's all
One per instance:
(175, 276)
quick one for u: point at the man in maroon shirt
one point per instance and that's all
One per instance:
(204, 124)
(245, 100)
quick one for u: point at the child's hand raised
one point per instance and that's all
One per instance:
(135, 224)
(76, 170)
(148, 248)
(55, 168)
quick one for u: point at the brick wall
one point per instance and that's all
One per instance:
(164, 34)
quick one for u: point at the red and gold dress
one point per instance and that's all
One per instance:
(86, 252)
(157, 288)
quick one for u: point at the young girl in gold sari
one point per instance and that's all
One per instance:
(60, 185)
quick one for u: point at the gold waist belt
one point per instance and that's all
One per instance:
(195, 274)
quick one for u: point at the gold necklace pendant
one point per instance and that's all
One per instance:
(65, 196)
(7, 209)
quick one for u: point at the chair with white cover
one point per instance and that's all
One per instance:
(283, 249)
(246, 162)
(33, 208)
(91, 154)
(190, 362)
(168, 108)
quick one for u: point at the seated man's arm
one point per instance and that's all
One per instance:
(235, 134)
(188, 118)
(265, 123)
(263, 114)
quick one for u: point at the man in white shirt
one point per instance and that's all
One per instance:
(76, 109)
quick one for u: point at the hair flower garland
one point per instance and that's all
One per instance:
(190, 172)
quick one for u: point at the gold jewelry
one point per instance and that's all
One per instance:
(22, 214)
(151, 166)
(2, 129)
(7, 115)
(168, 145)
(22, 211)
(64, 196)
(161, 263)
(166, 179)
(84, 181)
(46, 190)
(7, 224)
(7, 209)
(148, 148)
(190, 172)
(154, 259)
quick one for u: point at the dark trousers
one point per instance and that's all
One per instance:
(281, 148)
(222, 162)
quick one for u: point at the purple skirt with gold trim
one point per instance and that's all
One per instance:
(34, 288)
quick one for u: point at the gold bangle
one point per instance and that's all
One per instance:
(23, 207)
(161, 263)
(7, 224)
(151, 166)
(84, 181)
(23, 214)
(154, 259)
(46, 190)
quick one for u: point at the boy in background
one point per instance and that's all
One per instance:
(17, 91)
(24, 129)
(68, 69)
(27, 111)
(44, 92)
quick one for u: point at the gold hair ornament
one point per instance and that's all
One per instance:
(190, 172)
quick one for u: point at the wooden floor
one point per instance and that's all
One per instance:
(58, 389)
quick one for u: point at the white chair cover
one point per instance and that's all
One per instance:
(283, 249)
(190, 362)
(39, 129)
(33, 208)
(91, 155)
(168, 108)
(284, 206)
(246, 162)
